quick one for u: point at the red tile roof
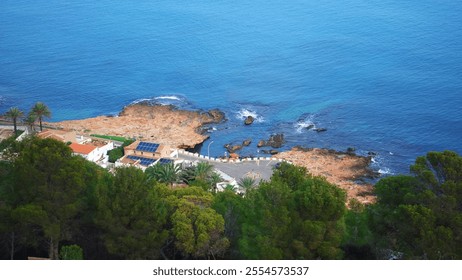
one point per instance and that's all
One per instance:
(82, 149)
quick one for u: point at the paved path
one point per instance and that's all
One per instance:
(259, 170)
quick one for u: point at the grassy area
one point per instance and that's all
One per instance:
(113, 138)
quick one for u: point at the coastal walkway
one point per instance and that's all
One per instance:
(258, 168)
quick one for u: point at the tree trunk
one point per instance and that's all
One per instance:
(12, 246)
(53, 249)
(40, 120)
(15, 128)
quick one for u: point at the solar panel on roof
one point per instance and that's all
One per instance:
(147, 147)
(165, 161)
(143, 161)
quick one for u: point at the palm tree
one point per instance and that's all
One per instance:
(247, 183)
(165, 173)
(230, 187)
(14, 113)
(41, 111)
(203, 171)
(30, 121)
(214, 179)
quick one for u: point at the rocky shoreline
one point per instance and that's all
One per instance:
(344, 169)
(186, 130)
(158, 123)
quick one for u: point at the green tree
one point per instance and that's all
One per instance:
(47, 188)
(132, 214)
(247, 183)
(41, 111)
(420, 217)
(71, 252)
(197, 229)
(14, 114)
(203, 171)
(231, 207)
(166, 173)
(358, 237)
(29, 120)
(294, 216)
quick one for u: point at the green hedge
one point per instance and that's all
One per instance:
(109, 137)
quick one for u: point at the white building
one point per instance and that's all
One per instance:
(91, 152)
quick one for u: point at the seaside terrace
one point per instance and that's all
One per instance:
(144, 154)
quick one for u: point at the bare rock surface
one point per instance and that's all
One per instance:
(161, 124)
(341, 169)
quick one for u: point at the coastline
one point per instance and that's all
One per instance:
(159, 123)
(184, 129)
(345, 170)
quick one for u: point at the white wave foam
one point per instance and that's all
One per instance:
(385, 171)
(163, 100)
(307, 123)
(169, 97)
(377, 163)
(244, 113)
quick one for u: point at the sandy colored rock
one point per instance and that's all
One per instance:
(338, 168)
(160, 124)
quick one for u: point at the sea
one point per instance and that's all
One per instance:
(381, 76)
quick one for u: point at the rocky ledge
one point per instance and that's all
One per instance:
(345, 170)
(160, 124)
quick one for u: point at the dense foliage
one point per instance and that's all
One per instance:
(56, 205)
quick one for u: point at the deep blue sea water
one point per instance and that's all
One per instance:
(380, 75)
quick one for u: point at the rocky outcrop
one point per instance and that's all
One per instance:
(216, 115)
(246, 142)
(275, 141)
(340, 168)
(161, 124)
(261, 143)
(232, 148)
(249, 120)
(310, 126)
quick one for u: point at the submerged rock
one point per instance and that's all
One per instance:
(350, 150)
(232, 148)
(246, 142)
(273, 152)
(261, 143)
(249, 120)
(320, 129)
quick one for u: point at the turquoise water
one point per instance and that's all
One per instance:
(382, 76)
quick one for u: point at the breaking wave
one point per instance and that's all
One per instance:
(305, 123)
(175, 100)
(377, 163)
(244, 113)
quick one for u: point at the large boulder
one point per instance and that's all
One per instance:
(261, 143)
(216, 115)
(232, 148)
(276, 141)
(249, 120)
